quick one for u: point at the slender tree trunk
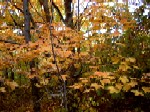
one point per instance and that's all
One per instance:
(27, 20)
(68, 13)
(35, 90)
(6, 73)
(12, 76)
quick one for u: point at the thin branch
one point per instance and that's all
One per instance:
(58, 74)
(37, 12)
(15, 23)
(4, 8)
(9, 42)
(81, 15)
(57, 9)
(32, 20)
(46, 9)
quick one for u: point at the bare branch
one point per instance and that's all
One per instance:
(57, 9)
(9, 42)
(32, 20)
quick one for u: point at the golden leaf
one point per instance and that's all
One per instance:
(105, 81)
(146, 89)
(37, 85)
(77, 86)
(100, 74)
(118, 86)
(112, 89)
(124, 67)
(124, 79)
(132, 59)
(44, 81)
(64, 77)
(13, 85)
(133, 84)
(2, 89)
(96, 86)
(137, 93)
(87, 91)
(136, 67)
(126, 87)
(115, 60)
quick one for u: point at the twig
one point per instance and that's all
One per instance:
(57, 9)
(37, 12)
(81, 15)
(9, 41)
(54, 56)
(32, 20)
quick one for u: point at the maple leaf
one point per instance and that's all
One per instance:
(124, 67)
(118, 86)
(137, 93)
(146, 89)
(64, 77)
(126, 87)
(13, 85)
(124, 79)
(96, 86)
(112, 89)
(132, 59)
(2, 89)
(105, 81)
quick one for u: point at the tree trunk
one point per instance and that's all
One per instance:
(68, 13)
(26, 21)
(35, 90)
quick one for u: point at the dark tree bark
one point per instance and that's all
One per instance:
(12, 76)
(44, 3)
(26, 21)
(6, 73)
(68, 13)
(35, 90)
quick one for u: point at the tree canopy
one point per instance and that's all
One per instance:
(94, 46)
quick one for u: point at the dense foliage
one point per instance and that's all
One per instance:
(57, 59)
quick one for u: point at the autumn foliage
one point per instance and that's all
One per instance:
(101, 54)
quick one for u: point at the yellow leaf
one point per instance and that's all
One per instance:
(115, 60)
(101, 74)
(137, 93)
(133, 84)
(44, 81)
(118, 86)
(87, 91)
(64, 77)
(84, 53)
(121, 44)
(136, 67)
(84, 81)
(146, 89)
(77, 86)
(124, 79)
(132, 59)
(96, 86)
(13, 85)
(124, 67)
(2, 89)
(105, 81)
(126, 87)
(112, 89)
(37, 85)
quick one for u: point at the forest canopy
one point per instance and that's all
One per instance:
(93, 52)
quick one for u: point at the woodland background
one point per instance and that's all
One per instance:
(75, 56)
